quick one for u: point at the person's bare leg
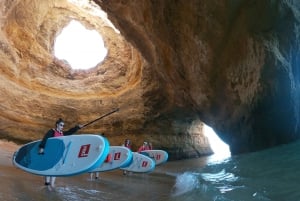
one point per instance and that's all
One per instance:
(47, 180)
(91, 175)
(52, 180)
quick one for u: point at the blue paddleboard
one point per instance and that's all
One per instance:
(63, 156)
(159, 156)
(118, 156)
(140, 164)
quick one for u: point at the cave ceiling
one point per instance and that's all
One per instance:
(232, 65)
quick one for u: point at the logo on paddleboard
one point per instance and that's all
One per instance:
(144, 164)
(117, 156)
(84, 151)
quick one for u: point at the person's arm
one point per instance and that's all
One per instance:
(73, 130)
(44, 140)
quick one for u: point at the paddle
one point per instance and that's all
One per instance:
(115, 110)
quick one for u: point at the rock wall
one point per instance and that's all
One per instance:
(230, 64)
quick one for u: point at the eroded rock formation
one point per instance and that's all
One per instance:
(230, 64)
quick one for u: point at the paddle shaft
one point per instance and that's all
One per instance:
(100, 117)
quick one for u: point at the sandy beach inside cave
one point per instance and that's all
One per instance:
(6, 152)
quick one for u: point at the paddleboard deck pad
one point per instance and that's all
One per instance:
(140, 164)
(63, 156)
(159, 156)
(118, 156)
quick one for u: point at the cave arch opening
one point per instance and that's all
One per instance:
(80, 47)
(206, 142)
(220, 148)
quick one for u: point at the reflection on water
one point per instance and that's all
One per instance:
(219, 176)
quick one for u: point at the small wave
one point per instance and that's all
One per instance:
(185, 182)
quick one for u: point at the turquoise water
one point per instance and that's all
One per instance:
(263, 176)
(267, 175)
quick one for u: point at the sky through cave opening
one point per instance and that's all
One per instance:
(220, 148)
(80, 47)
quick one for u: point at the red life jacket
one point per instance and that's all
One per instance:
(57, 133)
(143, 148)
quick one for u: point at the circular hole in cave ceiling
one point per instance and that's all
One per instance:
(80, 47)
(38, 86)
(117, 65)
(39, 70)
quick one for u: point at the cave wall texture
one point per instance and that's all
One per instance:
(230, 64)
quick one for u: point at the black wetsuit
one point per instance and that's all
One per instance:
(51, 132)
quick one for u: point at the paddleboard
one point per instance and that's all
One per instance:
(140, 164)
(118, 156)
(159, 156)
(63, 156)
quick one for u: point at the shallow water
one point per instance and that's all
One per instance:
(263, 176)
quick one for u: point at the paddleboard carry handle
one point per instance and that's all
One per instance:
(67, 151)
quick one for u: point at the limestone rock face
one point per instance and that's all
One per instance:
(230, 64)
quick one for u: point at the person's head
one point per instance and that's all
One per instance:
(59, 124)
(145, 144)
(127, 141)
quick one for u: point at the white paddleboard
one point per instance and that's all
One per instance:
(159, 156)
(63, 156)
(140, 164)
(118, 156)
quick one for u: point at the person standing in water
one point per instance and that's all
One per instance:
(145, 146)
(55, 132)
(108, 158)
(150, 146)
(128, 145)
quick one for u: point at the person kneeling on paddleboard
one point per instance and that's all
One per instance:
(55, 132)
